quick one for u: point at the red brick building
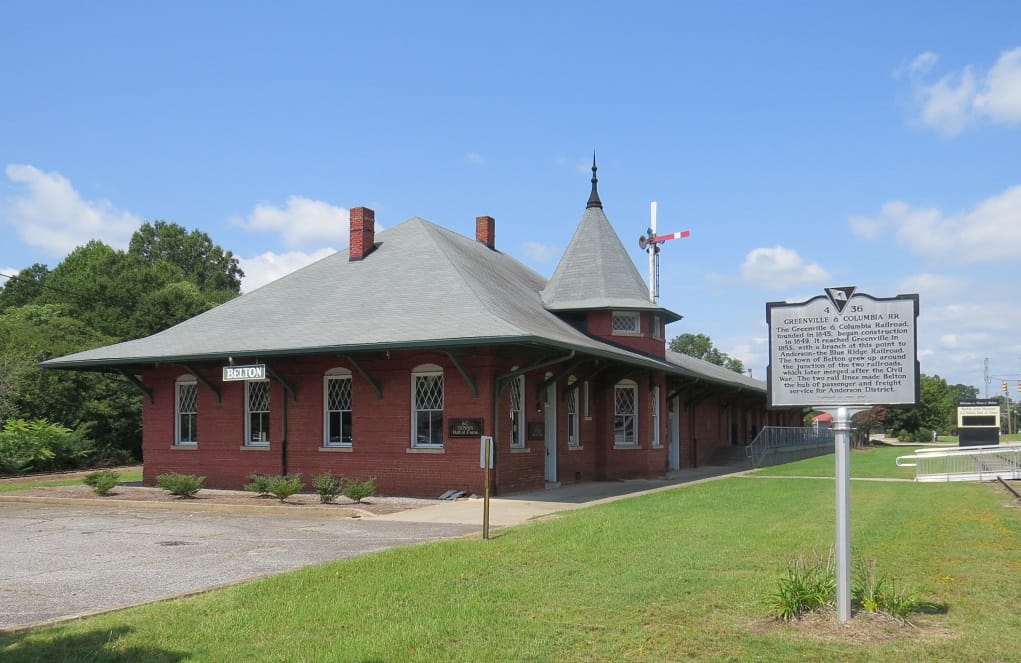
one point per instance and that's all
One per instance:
(390, 359)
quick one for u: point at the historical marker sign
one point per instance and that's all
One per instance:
(843, 348)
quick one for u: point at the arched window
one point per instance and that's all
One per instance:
(427, 406)
(625, 409)
(337, 424)
(517, 412)
(186, 411)
(257, 413)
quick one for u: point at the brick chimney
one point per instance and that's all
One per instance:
(363, 233)
(485, 231)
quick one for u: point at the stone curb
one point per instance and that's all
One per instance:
(269, 509)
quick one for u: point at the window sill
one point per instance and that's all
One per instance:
(578, 448)
(520, 450)
(254, 447)
(425, 450)
(626, 447)
(637, 334)
(184, 447)
(340, 449)
(657, 446)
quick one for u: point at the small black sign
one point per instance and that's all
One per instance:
(536, 430)
(464, 427)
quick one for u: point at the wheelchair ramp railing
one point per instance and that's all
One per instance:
(779, 444)
(965, 463)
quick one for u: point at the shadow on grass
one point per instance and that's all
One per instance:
(930, 608)
(97, 646)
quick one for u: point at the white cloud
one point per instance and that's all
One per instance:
(961, 98)
(301, 222)
(266, 267)
(475, 159)
(933, 286)
(51, 215)
(780, 267)
(990, 231)
(965, 341)
(538, 252)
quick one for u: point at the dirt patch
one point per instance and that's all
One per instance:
(374, 505)
(863, 627)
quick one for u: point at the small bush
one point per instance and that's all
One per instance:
(282, 487)
(808, 583)
(357, 491)
(182, 485)
(39, 445)
(873, 592)
(328, 486)
(258, 483)
(102, 481)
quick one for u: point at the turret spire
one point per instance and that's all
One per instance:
(593, 199)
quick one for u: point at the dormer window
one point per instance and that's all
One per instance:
(657, 328)
(626, 323)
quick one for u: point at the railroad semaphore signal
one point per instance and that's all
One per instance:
(650, 244)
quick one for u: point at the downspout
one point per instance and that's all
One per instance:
(499, 383)
(283, 437)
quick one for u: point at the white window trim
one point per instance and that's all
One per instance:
(632, 315)
(586, 412)
(633, 386)
(248, 415)
(335, 374)
(518, 436)
(425, 370)
(655, 416)
(657, 328)
(181, 381)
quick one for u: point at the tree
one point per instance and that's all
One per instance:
(201, 261)
(701, 346)
(23, 288)
(936, 410)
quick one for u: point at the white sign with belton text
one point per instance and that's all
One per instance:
(249, 372)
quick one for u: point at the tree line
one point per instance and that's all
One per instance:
(96, 296)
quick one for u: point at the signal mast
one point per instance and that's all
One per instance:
(650, 244)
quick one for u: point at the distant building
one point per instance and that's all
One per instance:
(390, 359)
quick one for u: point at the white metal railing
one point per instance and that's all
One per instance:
(965, 463)
(777, 439)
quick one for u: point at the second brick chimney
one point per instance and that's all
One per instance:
(363, 233)
(485, 231)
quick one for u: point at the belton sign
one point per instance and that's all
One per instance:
(249, 372)
(843, 348)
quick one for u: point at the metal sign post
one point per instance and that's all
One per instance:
(486, 461)
(841, 353)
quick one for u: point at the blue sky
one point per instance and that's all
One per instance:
(804, 145)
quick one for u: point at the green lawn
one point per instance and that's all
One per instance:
(29, 482)
(674, 575)
(878, 461)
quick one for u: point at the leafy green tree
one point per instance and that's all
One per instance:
(701, 346)
(936, 410)
(202, 262)
(24, 287)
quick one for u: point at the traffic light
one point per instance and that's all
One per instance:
(1019, 385)
(1003, 387)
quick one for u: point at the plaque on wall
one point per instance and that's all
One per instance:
(464, 427)
(536, 430)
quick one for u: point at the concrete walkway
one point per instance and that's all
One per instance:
(523, 507)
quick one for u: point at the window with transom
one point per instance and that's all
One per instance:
(257, 413)
(573, 439)
(427, 406)
(626, 323)
(337, 427)
(625, 407)
(186, 411)
(517, 412)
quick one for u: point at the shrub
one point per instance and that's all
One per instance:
(102, 481)
(38, 445)
(286, 485)
(328, 486)
(873, 592)
(356, 490)
(182, 485)
(808, 583)
(258, 483)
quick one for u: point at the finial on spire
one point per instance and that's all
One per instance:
(593, 199)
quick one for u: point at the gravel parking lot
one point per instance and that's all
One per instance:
(59, 561)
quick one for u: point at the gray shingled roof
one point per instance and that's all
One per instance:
(714, 373)
(423, 285)
(596, 272)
